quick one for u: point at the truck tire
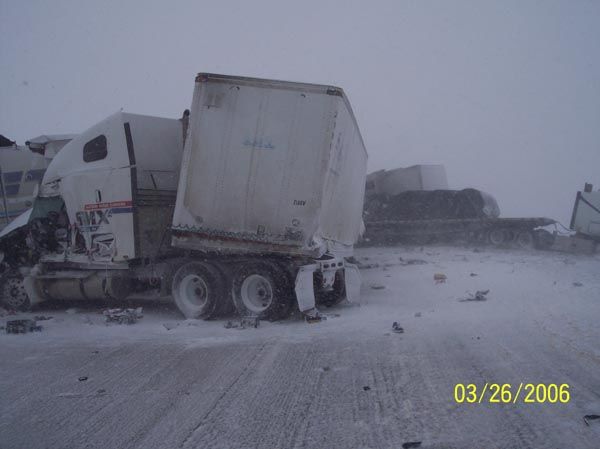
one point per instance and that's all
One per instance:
(497, 237)
(543, 239)
(524, 240)
(14, 296)
(197, 289)
(262, 290)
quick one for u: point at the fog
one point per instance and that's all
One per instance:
(505, 94)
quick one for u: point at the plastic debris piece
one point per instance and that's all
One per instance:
(480, 295)
(123, 316)
(22, 326)
(396, 328)
(83, 378)
(588, 418)
(439, 278)
(411, 444)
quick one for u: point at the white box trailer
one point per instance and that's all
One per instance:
(270, 166)
(259, 208)
(415, 177)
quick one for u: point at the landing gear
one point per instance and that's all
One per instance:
(260, 290)
(197, 289)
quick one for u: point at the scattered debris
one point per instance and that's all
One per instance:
(411, 444)
(244, 323)
(22, 326)
(396, 328)
(480, 295)
(171, 326)
(377, 286)
(587, 418)
(123, 316)
(412, 261)
(577, 284)
(418, 315)
(366, 388)
(315, 318)
(439, 278)
(69, 395)
(83, 378)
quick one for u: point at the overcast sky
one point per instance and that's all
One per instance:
(505, 94)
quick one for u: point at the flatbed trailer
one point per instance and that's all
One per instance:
(519, 232)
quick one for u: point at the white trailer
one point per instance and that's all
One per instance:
(259, 208)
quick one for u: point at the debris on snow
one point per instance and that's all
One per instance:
(170, 326)
(577, 284)
(473, 274)
(123, 316)
(366, 388)
(411, 444)
(418, 315)
(42, 318)
(412, 261)
(439, 278)
(243, 324)
(396, 328)
(588, 418)
(22, 326)
(83, 378)
(375, 286)
(480, 295)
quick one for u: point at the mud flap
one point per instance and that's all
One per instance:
(305, 293)
(353, 281)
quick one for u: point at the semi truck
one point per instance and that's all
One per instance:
(414, 205)
(21, 171)
(252, 200)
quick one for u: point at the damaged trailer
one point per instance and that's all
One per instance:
(257, 211)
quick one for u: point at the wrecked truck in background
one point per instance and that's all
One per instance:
(260, 208)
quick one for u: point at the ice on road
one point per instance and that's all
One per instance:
(348, 382)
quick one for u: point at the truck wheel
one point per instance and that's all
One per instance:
(497, 237)
(543, 239)
(13, 292)
(197, 289)
(261, 290)
(524, 240)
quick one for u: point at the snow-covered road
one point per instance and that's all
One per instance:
(348, 382)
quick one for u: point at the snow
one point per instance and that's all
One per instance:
(169, 382)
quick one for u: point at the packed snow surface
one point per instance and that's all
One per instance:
(347, 382)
